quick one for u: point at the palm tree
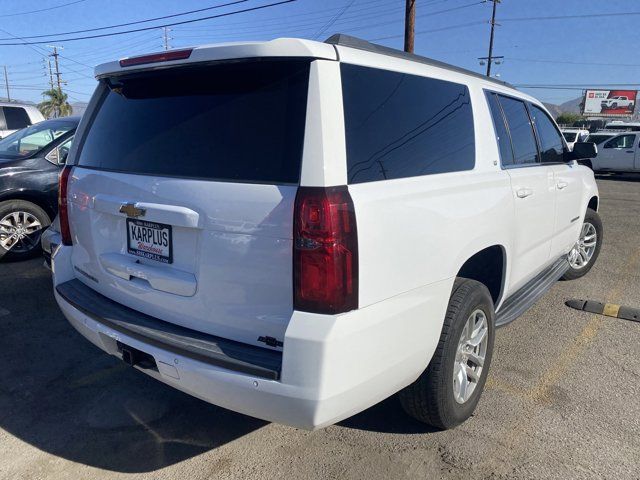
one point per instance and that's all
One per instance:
(56, 105)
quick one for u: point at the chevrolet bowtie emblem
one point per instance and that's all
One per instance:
(131, 210)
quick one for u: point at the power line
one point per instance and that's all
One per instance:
(343, 23)
(323, 14)
(333, 20)
(565, 17)
(451, 27)
(42, 9)
(574, 63)
(260, 7)
(47, 35)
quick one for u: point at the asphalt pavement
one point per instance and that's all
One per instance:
(561, 400)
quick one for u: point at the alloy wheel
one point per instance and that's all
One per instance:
(20, 232)
(582, 252)
(470, 356)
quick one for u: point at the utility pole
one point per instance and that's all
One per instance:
(57, 73)
(166, 38)
(493, 25)
(55, 55)
(50, 73)
(6, 82)
(409, 25)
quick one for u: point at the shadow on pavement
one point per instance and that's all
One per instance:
(619, 177)
(62, 395)
(386, 417)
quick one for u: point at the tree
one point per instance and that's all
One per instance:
(568, 118)
(56, 105)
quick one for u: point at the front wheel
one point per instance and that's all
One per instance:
(447, 392)
(585, 252)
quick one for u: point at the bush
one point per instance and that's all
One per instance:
(568, 118)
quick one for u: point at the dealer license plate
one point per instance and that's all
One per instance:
(149, 240)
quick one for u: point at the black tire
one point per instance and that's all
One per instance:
(33, 249)
(593, 218)
(430, 399)
(614, 105)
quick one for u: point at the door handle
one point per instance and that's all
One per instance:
(524, 192)
(562, 185)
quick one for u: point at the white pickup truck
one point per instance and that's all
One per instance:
(618, 152)
(617, 102)
(297, 230)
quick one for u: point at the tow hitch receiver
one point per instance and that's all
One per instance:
(136, 358)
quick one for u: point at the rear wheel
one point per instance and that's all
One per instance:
(586, 250)
(447, 392)
(21, 225)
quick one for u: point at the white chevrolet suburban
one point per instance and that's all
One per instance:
(297, 230)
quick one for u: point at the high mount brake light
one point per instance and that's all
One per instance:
(157, 58)
(63, 208)
(325, 251)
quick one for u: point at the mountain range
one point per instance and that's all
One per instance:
(573, 106)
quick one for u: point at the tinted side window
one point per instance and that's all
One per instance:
(551, 146)
(16, 118)
(502, 135)
(622, 141)
(525, 149)
(400, 125)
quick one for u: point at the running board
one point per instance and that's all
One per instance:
(523, 299)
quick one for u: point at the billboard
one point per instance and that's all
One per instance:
(609, 103)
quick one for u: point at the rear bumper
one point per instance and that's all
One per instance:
(49, 241)
(331, 366)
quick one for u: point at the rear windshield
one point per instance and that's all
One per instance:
(241, 121)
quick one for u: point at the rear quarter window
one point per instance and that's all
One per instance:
(241, 121)
(399, 125)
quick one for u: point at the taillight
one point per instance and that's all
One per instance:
(325, 251)
(63, 209)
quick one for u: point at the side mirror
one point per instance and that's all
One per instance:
(582, 150)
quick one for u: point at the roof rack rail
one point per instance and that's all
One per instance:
(360, 44)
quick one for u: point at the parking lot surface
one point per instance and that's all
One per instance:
(561, 400)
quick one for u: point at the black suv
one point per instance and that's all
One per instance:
(30, 162)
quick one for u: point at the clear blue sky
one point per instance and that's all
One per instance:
(537, 51)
